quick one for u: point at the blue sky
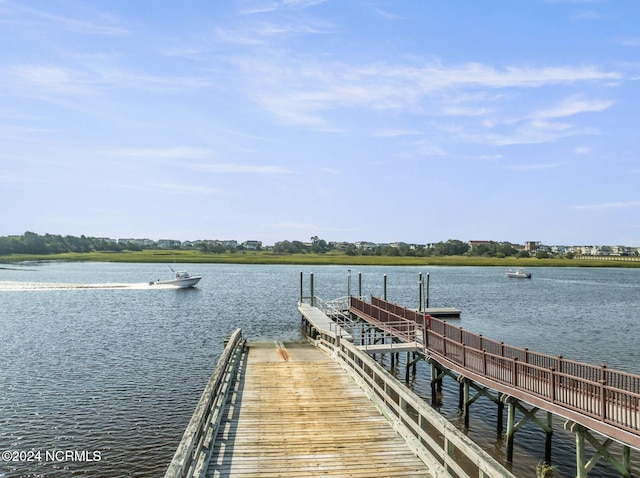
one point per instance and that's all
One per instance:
(415, 121)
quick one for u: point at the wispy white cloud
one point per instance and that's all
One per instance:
(610, 205)
(239, 38)
(303, 93)
(254, 8)
(386, 14)
(470, 74)
(12, 178)
(270, 6)
(301, 3)
(633, 42)
(395, 133)
(200, 159)
(109, 26)
(505, 133)
(490, 157)
(574, 105)
(588, 15)
(176, 152)
(34, 80)
(533, 167)
(333, 172)
(54, 79)
(171, 188)
(15, 132)
(230, 168)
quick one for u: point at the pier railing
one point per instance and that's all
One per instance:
(407, 327)
(192, 456)
(610, 399)
(434, 439)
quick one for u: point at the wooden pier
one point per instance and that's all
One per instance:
(600, 405)
(295, 412)
(323, 407)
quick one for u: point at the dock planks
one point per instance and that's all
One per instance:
(295, 412)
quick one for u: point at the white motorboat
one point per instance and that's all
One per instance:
(519, 274)
(181, 280)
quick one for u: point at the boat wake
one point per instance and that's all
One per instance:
(17, 286)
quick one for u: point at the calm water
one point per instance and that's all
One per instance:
(96, 362)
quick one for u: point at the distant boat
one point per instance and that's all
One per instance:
(182, 280)
(518, 274)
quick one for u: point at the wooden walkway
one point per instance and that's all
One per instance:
(590, 398)
(295, 412)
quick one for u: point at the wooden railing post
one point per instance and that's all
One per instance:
(603, 392)
(515, 372)
(464, 356)
(484, 362)
(559, 364)
(425, 334)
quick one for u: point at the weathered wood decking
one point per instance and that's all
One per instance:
(295, 412)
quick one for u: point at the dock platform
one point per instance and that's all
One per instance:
(295, 412)
(443, 312)
(318, 408)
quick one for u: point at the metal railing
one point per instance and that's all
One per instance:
(406, 329)
(606, 400)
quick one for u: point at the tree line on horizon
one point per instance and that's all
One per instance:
(32, 243)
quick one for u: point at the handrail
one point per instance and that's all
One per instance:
(192, 453)
(607, 396)
(406, 329)
(435, 440)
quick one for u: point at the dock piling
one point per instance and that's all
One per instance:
(384, 287)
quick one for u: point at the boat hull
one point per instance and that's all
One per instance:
(180, 283)
(523, 275)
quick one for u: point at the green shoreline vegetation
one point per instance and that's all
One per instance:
(333, 258)
(32, 247)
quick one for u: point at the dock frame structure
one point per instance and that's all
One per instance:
(601, 406)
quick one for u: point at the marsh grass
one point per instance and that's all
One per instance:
(333, 258)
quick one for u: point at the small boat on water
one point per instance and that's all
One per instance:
(182, 280)
(519, 274)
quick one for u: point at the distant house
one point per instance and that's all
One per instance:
(342, 246)
(531, 246)
(108, 240)
(560, 250)
(137, 242)
(169, 244)
(252, 245)
(479, 243)
(366, 246)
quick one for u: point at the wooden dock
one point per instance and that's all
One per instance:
(296, 412)
(318, 408)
